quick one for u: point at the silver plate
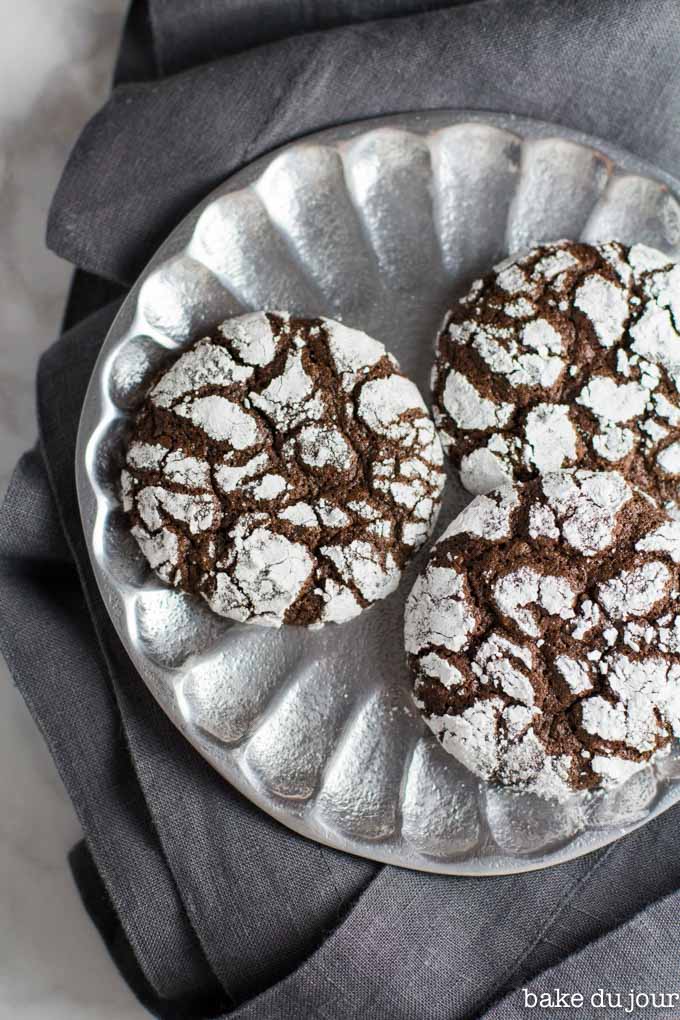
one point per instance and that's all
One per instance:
(380, 223)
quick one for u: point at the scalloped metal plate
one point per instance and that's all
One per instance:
(380, 223)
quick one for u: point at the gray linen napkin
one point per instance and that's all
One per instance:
(209, 907)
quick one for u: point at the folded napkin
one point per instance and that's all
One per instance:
(209, 907)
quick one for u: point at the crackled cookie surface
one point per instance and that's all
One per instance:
(284, 469)
(544, 633)
(568, 355)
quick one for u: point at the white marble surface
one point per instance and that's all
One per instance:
(55, 62)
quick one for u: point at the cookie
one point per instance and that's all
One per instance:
(568, 355)
(544, 633)
(283, 469)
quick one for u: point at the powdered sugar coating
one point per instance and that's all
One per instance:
(284, 470)
(635, 592)
(543, 633)
(466, 405)
(605, 303)
(262, 573)
(550, 438)
(587, 503)
(525, 587)
(580, 367)
(223, 420)
(440, 611)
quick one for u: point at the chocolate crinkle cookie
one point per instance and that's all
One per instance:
(544, 633)
(284, 469)
(568, 355)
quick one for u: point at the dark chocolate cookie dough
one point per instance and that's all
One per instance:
(284, 469)
(544, 633)
(568, 355)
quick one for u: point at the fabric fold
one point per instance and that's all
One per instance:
(633, 971)
(156, 149)
(58, 669)
(426, 944)
(189, 34)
